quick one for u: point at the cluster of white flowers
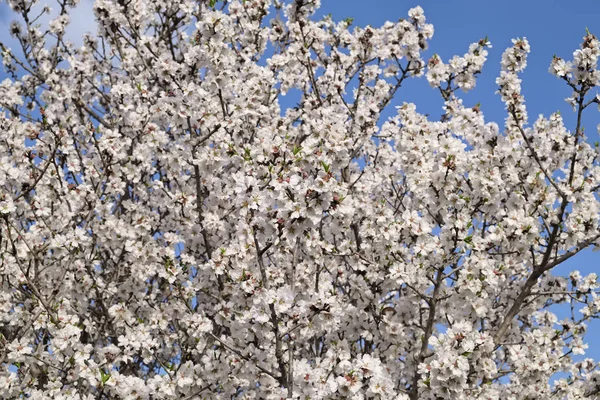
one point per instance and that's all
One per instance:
(169, 230)
(460, 72)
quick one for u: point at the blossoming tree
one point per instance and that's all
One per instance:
(169, 230)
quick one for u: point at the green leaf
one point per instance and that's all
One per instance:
(104, 377)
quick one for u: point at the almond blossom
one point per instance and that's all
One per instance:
(173, 227)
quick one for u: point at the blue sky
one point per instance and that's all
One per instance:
(551, 26)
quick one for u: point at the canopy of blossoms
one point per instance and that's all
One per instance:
(172, 228)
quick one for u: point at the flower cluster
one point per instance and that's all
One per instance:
(170, 227)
